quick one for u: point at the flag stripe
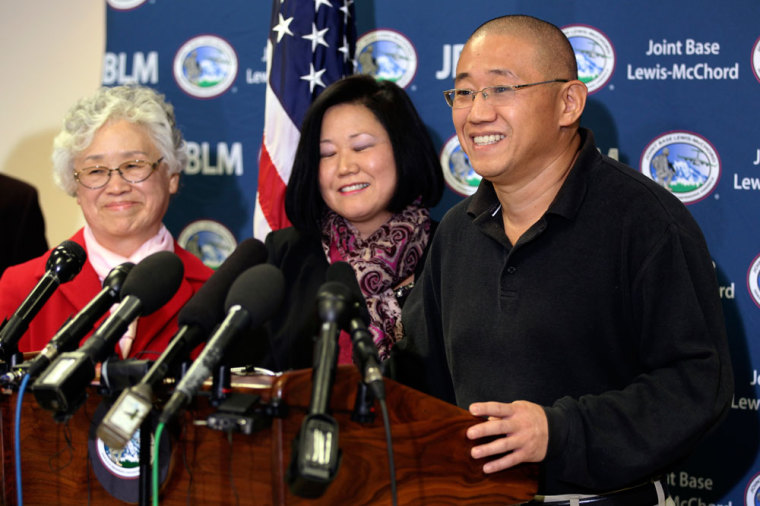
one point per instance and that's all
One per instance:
(280, 135)
(271, 193)
(303, 57)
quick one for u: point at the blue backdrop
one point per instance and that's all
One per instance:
(675, 80)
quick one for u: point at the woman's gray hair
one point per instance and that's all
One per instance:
(137, 104)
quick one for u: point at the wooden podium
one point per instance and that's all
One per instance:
(212, 467)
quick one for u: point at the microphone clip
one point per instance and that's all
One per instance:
(133, 407)
(58, 388)
(118, 375)
(364, 404)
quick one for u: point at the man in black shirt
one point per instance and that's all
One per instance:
(571, 302)
(22, 222)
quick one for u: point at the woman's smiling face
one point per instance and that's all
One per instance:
(124, 215)
(357, 169)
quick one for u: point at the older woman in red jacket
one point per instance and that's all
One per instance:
(120, 155)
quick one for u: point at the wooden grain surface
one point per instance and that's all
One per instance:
(216, 468)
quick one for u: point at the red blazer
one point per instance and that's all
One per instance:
(153, 331)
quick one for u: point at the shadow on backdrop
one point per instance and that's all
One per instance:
(737, 440)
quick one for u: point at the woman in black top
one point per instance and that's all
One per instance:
(364, 176)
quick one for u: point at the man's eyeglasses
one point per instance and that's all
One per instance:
(496, 95)
(132, 171)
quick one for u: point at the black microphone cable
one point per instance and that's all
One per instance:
(389, 446)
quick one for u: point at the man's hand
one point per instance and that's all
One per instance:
(524, 430)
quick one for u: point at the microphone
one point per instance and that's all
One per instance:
(364, 349)
(63, 264)
(333, 299)
(196, 321)
(69, 335)
(148, 286)
(253, 298)
(315, 452)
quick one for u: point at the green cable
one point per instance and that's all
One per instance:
(157, 444)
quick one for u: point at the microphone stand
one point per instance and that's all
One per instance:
(119, 376)
(221, 384)
(145, 462)
(363, 411)
(10, 357)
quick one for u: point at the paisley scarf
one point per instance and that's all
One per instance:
(381, 261)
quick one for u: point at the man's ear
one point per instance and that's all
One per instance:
(573, 99)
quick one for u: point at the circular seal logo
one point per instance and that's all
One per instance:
(118, 471)
(124, 463)
(756, 59)
(388, 55)
(457, 171)
(752, 493)
(125, 5)
(209, 240)
(594, 54)
(684, 163)
(205, 66)
(753, 286)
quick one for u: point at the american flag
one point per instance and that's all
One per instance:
(311, 44)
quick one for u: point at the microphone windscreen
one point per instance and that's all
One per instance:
(154, 280)
(206, 308)
(66, 260)
(343, 273)
(259, 290)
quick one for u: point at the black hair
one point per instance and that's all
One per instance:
(418, 168)
(556, 54)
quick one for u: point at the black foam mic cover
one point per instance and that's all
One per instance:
(206, 307)
(343, 273)
(253, 298)
(154, 281)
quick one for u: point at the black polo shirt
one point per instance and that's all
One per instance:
(606, 312)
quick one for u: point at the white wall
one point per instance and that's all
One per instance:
(52, 54)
